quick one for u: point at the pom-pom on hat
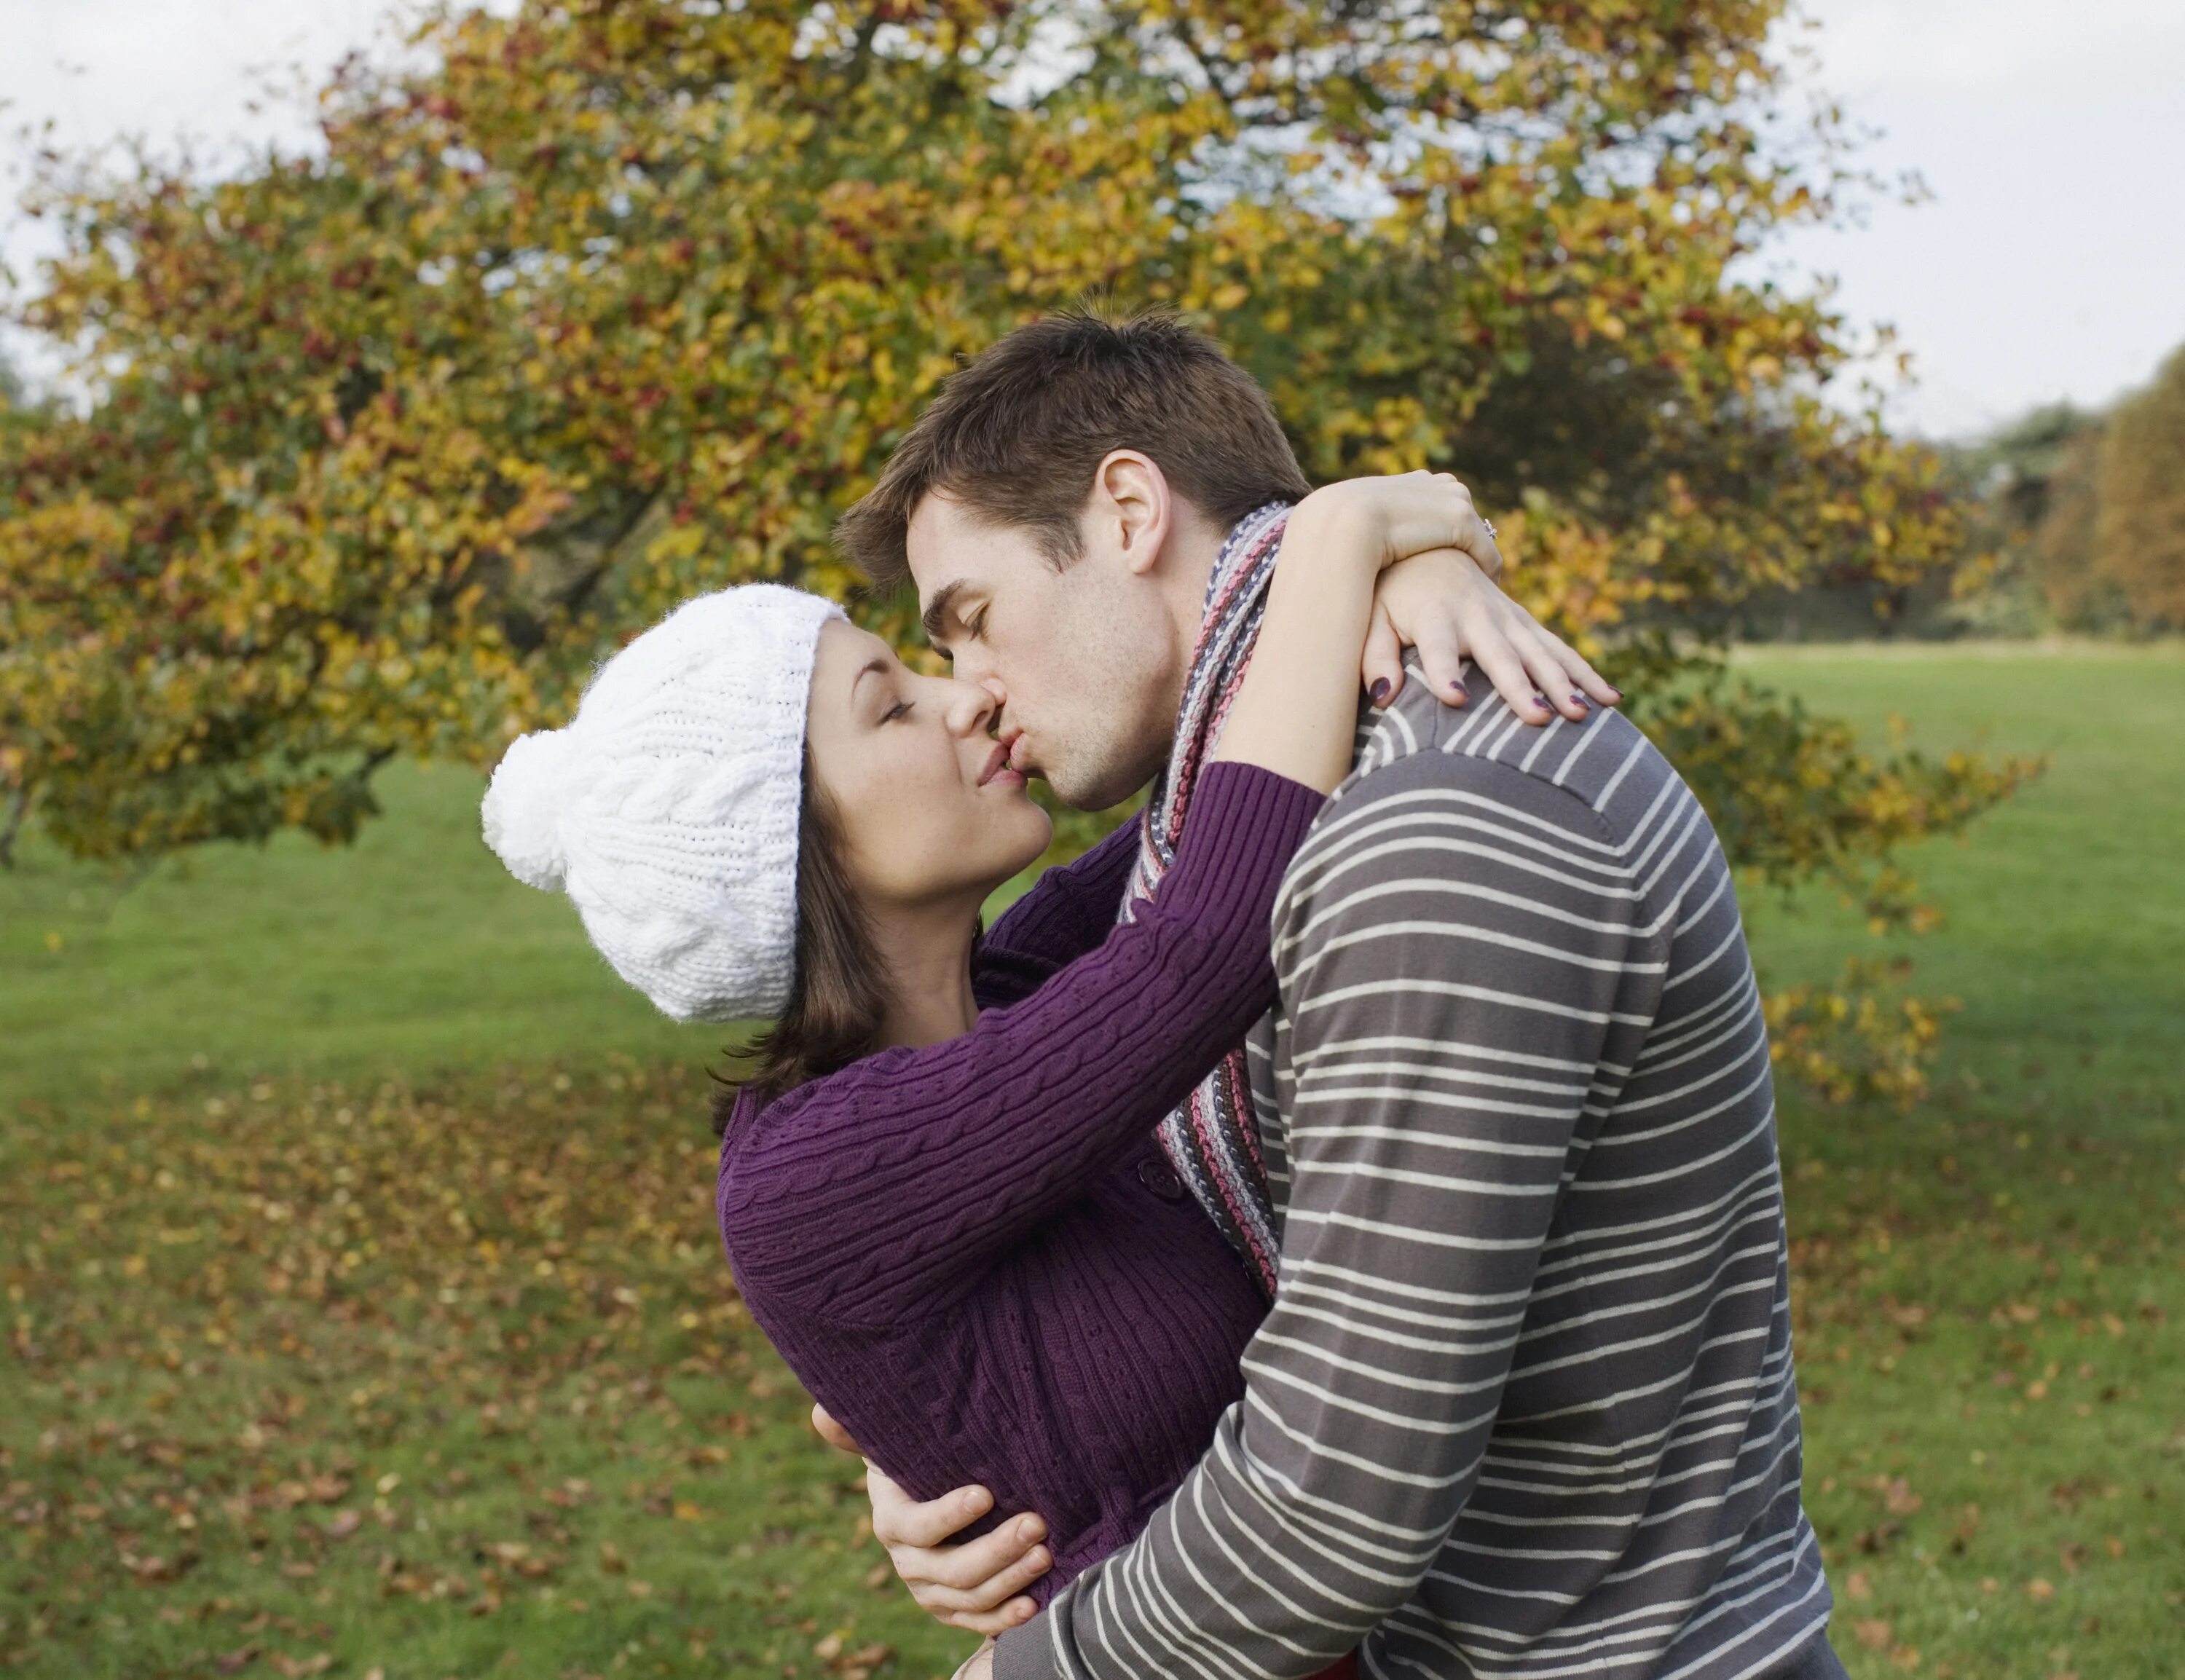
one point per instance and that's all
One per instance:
(668, 808)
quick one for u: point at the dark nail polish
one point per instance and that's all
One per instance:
(1381, 692)
(1458, 695)
(1617, 692)
(1577, 700)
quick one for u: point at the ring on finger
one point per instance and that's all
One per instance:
(1489, 524)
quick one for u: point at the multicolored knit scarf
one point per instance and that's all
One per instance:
(1213, 1139)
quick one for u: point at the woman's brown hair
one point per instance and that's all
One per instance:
(838, 998)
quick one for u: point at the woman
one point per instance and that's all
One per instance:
(940, 1192)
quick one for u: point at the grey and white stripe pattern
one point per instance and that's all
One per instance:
(1524, 1404)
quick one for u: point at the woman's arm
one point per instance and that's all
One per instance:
(878, 1193)
(1295, 711)
(1071, 907)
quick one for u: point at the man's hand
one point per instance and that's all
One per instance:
(976, 1585)
(1440, 604)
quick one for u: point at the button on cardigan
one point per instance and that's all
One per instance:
(975, 1253)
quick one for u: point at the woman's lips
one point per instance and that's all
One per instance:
(999, 769)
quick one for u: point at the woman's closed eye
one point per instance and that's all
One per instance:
(896, 712)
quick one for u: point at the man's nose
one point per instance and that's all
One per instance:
(969, 707)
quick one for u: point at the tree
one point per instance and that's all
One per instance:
(2063, 537)
(617, 299)
(2139, 529)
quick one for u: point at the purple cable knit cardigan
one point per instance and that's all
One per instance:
(974, 1254)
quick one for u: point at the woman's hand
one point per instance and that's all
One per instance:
(1405, 514)
(1439, 603)
(977, 1585)
(1436, 594)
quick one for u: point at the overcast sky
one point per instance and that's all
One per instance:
(2050, 262)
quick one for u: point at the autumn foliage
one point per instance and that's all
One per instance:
(620, 299)
(2139, 529)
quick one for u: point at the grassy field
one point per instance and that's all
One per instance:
(366, 1313)
(413, 953)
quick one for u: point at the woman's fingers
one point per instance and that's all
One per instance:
(1496, 656)
(1549, 678)
(1581, 673)
(1478, 542)
(1559, 673)
(1382, 666)
(1441, 660)
(898, 1520)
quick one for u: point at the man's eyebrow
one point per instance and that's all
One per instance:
(938, 613)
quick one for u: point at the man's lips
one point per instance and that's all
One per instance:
(1020, 754)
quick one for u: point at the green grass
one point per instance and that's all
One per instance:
(325, 1169)
(1988, 1286)
(412, 952)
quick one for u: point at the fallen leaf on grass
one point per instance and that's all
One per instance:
(1856, 1587)
(2040, 1589)
(153, 1571)
(297, 1668)
(234, 1662)
(1878, 1538)
(1873, 1635)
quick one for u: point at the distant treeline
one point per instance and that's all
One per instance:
(2078, 526)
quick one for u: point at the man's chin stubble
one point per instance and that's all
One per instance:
(1106, 786)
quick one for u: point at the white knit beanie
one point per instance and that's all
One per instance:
(667, 809)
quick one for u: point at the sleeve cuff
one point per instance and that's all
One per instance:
(1244, 826)
(1024, 1652)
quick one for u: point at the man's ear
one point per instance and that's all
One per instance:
(1132, 509)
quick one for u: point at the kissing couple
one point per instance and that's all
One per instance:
(1334, 1225)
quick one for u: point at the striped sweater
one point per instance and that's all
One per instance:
(1524, 1404)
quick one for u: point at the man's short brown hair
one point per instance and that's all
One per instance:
(1016, 435)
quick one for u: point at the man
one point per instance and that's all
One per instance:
(1504, 1150)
